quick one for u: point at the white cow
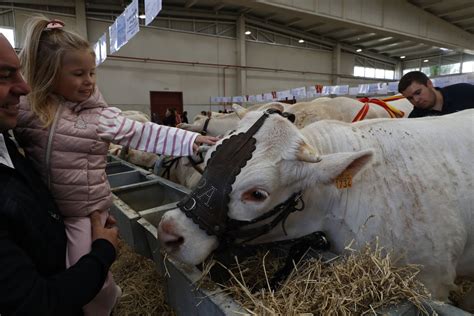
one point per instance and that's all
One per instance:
(179, 170)
(342, 109)
(136, 116)
(412, 187)
(139, 158)
(220, 125)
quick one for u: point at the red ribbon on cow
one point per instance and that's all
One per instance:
(392, 111)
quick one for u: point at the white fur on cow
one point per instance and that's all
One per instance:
(340, 108)
(139, 158)
(412, 187)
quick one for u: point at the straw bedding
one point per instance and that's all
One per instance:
(142, 287)
(356, 284)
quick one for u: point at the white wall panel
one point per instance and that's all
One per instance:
(281, 57)
(392, 17)
(309, 5)
(22, 15)
(128, 84)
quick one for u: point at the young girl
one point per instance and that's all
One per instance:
(65, 128)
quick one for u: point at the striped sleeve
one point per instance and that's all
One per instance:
(149, 137)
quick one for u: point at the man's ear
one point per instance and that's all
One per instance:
(429, 84)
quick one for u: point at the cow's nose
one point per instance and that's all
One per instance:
(170, 240)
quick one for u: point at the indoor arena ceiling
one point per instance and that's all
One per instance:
(459, 13)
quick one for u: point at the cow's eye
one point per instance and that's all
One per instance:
(255, 195)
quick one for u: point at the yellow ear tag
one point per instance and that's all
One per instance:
(344, 180)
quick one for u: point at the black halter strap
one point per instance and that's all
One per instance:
(167, 165)
(207, 205)
(204, 129)
(196, 164)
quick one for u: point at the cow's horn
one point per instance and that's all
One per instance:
(307, 153)
(239, 110)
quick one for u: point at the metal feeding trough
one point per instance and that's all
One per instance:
(135, 191)
(186, 299)
(126, 178)
(149, 221)
(117, 167)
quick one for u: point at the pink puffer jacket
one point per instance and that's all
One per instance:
(69, 154)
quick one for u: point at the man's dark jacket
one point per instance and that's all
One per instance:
(33, 276)
(456, 97)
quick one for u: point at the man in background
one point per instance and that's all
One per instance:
(430, 101)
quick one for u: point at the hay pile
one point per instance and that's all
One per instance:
(353, 285)
(464, 286)
(142, 287)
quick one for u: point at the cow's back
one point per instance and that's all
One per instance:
(416, 195)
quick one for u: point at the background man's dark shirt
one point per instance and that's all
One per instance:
(456, 98)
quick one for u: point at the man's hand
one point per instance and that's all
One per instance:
(108, 232)
(210, 140)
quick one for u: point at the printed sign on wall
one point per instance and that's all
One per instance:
(121, 30)
(97, 53)
(103, 47)
(113, 37)
(131, 15)
(152, 8)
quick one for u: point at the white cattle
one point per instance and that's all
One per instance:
(342, 109)
(216, 125)
(136, 116)
(139, 158)
(412, 188)
(179, 170)
(220, 125)
(183, 171)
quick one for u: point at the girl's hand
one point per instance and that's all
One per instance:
(210, 140)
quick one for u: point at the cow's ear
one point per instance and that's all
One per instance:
(272, 105)
(239, 110)
(346, 164)
(307, 153)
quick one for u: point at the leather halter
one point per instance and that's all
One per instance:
(204, 129)
(166, 165)
(208, 206)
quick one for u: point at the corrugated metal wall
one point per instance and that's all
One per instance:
(7, 18)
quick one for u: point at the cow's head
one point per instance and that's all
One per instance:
(280, 164)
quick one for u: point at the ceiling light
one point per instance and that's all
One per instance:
(444, 49)
(142, 16)
(401, 57)
(426, 60)
(248, 32)
(359, 50)
(301, 41)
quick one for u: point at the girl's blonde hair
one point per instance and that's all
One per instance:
(41, 58)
